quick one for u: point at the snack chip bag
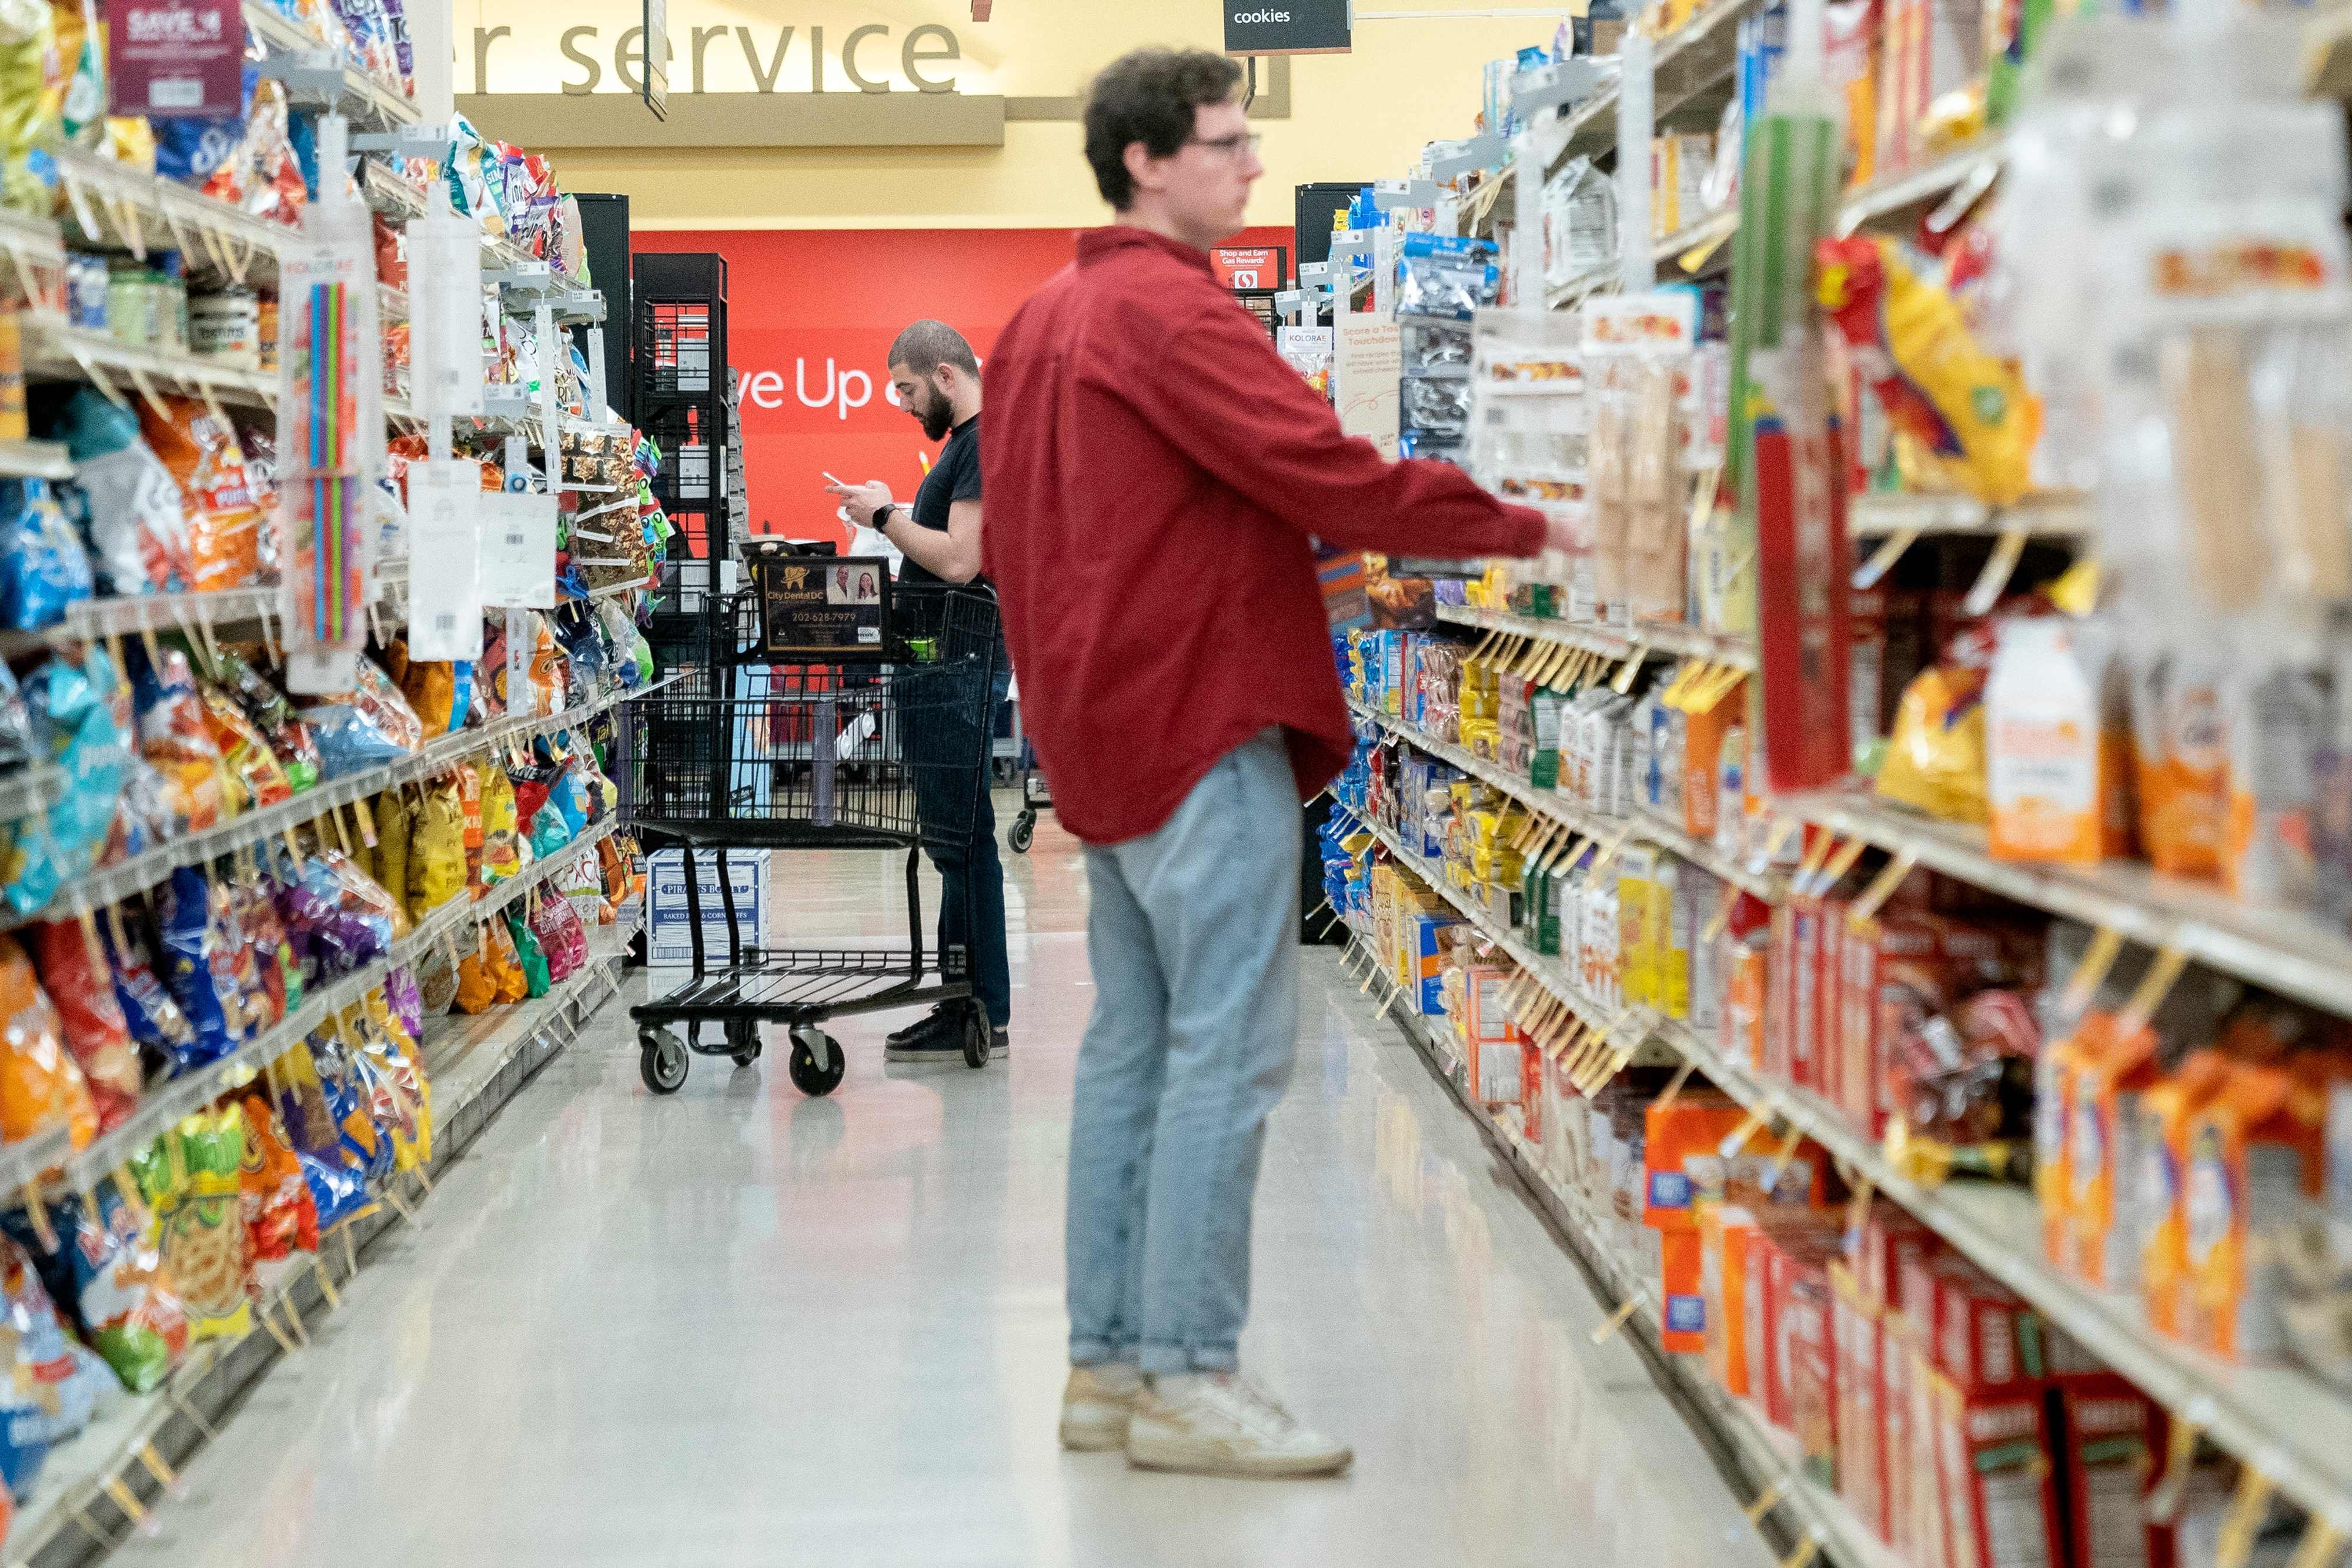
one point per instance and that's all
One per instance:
(478, 987)
(1936, 756)
(365, 727)
(216, 493)
(501, 853)
(76, 725)
(205, 964)
(191, 1178)
(267, 706)
(73, 974)
(281, 1216)
(406, 1002)
(176, 737)
(40, 1088)
(131, 517)
(134, 1318)
(250, 758)
(59, 1380)
(43, 567)
(431, 687)
(437, 984)
(505, 962)
(437, 849)
(338, 918)
(548, 832)
(560, 936)
(156, 1021)
(271, 950)
(537, 978)
(394, 821)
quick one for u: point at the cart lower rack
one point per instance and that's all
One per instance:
(854, 755)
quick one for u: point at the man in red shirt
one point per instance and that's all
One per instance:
(1154, 472)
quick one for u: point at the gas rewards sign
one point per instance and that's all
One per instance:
(1287, 27)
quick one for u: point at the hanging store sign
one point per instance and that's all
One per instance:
(656, 57)
(175, 59)
(1287, 27)
(823, 609)
(1251, 267)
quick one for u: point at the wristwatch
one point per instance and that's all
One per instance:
(882, 516)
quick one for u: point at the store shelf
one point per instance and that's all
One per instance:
(1899, 194)
(1766, 1457)
(2042, 517)
(143, 871)
(2286, 952)
(1644, 826)
(1551, 973)
(373, 105)
(104, 203)
(615, 591)
(475, 1066)
(1662, 640)
(31, 790)
(2287, 1423)
(34, 460)
(55, 352)
(1696, 60)
(225, 614)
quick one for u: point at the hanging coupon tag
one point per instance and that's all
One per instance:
(518, 549)
(444, 315)
(444, 557)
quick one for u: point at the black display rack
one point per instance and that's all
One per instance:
(680, 384)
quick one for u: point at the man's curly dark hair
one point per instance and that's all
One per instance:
(1150, 97)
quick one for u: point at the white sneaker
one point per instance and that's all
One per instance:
(1096, 1405)
(1216, 1423)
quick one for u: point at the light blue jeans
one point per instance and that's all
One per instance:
(1193, 933)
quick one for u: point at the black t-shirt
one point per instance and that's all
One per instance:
(954, 477)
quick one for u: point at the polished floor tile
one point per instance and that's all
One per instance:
(738, 1326)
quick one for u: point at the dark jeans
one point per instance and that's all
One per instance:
(949, 749)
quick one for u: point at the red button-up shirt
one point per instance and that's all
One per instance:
(1153, 469)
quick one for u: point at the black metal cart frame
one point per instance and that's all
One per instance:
(884, 750)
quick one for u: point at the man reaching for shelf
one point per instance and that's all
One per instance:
(1155, 475)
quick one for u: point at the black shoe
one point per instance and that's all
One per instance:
(923, 1025)
(939, 1038)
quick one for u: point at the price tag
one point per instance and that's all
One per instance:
(445, 556)
(517, 555)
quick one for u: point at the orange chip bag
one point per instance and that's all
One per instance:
(41, 1089)
(215, 491)
(248, 755)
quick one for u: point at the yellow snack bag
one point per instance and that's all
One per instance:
(437, 849)
(393, 823)
(1935, 758)
(501, 853)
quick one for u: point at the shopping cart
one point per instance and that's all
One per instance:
(1035, 797)
(837, 714)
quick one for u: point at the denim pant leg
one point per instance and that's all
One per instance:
(1120, 1066)
(1220, 884)
(948, 743)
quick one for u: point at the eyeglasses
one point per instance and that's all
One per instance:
(1250, 141)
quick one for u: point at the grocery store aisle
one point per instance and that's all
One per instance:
(738, 1326)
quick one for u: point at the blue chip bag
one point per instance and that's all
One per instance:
(77, 726)
(200, 951)
(548, 831)
(191, 150)
(155, 1020)
(365, 727)
(43, 567)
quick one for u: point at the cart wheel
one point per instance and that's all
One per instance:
(1023, 833)
(808, 1077)
(975, 1037)
(661, 1061)
(743, 1041)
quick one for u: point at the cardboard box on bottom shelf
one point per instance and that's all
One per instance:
(669, 936)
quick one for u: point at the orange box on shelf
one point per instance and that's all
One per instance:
(1681, 1326)
(1681, 1157)
(2257, 1148)
(1725, 1231)
(2107, 1218)
(1703, 761)
(2167, 1111)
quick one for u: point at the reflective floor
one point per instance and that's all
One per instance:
(738, 1326)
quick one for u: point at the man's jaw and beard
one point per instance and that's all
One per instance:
(930, 406)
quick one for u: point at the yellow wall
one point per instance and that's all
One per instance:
(1363, 115)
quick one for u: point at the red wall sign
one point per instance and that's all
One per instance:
(811, 318)
(1252, 266)
(175, 59)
